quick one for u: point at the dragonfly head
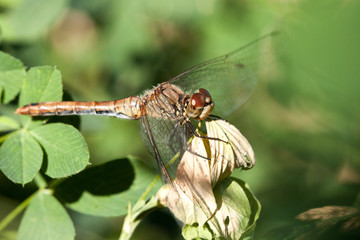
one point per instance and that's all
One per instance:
(200, 105)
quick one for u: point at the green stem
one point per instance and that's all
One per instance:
(40, 181)
(132, 219)
(158, 177)
(13, 214)
(152, 184)
(54, 183)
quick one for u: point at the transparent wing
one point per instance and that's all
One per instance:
(230, 79)
(164, 138)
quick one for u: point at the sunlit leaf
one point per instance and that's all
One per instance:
(9, 3)
(66, 149)
(45, 218)
(240, 209)
(196, 232)
(42, 84)
(20, 157)
(255, 210)
(107, 189)
(235, 215)
(23, 25)
(7, 123)
(12, 74)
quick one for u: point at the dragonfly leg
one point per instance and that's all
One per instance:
(214, 116)
(182, 141)
(186, 132)
(193, 131)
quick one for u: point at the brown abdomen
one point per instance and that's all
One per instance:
(128, 108)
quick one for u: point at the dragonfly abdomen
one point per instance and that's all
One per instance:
(128, 108)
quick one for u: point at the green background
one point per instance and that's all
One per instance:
(302, 120)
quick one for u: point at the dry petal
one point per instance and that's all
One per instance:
(191, 192)
(190, 197)
(233, 152)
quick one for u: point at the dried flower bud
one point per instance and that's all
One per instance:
(232, 152)
(206, 162)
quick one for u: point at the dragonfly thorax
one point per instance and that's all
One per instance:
(199, 105)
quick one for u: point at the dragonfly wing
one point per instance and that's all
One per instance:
(164, 138)
(231, 78)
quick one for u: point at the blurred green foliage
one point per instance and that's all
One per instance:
(302, 120)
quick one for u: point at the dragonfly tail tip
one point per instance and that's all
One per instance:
(20, 111)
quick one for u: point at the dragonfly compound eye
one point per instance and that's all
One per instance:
(200, 105)
(197, 100)
(206, 94)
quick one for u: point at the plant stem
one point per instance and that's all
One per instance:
(55, 182)
(158, 177)
(40, 181)
(152, 184)
(14, 213)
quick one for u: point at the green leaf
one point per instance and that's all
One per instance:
(235, 217)
(42, 84)
(7, 124)
(20, 157)
(45, 218)
(66, 149)
(196, 232)
(8, 4)
(12, 74)
(23, 25)
(106, 190)
(255, 209)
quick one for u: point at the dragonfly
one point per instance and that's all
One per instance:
(168, 113)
